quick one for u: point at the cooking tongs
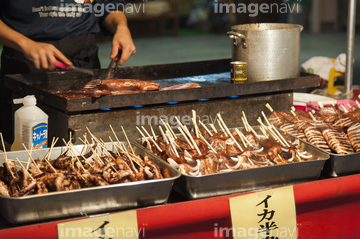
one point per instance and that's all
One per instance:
(106, 75)
(74, 68)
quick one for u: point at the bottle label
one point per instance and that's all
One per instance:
(39, 136)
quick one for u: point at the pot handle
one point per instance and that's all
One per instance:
(236, 36)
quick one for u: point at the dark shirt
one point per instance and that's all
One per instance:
(56, 19)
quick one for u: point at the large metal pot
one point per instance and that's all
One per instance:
(271, 50)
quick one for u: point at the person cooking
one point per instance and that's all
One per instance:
(37, 33)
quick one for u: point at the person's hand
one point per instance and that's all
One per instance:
(43, 55)
(122, 40)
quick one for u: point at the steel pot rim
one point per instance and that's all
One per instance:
(259, 27)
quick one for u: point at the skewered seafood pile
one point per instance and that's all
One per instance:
(331, 129)
(204, 152)
(72, 170)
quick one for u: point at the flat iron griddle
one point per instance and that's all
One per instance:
(213, 77)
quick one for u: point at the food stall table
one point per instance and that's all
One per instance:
(326, 208)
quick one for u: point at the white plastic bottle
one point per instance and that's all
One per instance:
(31, 125)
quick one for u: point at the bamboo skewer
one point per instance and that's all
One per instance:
(142, 134)
(171, 131)
(94, 139)
(115, 147)
(25, 169)
(272, 133)
(230, 134)
(73, 156)
(193, 141)
(252, 130)
(163, 134)
(107, 150)
(29, 159)
(117, 139)
(93, 151)
(266, 128)
(344, 108)
(5, 155)
(127, 139)
(166, 126)
(153, 133)
(49, 154)
(312, 116)
(245, 125)
(173, 145)
(263, 130)
(185, 129)
(266, 119)
(269, 107)
(358, 104)
(206, 142)
(185, 137)
(243, 136)
(3, 144)
(213, 128)
(245, 119)
(189, 134)
(222, 128)
(280, 136)
(204, 126)
(194, 122)
(146, 132)
(131, 160)
(349, 106)
(34, 162)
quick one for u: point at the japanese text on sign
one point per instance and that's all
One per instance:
(114, 226)
(266, 214)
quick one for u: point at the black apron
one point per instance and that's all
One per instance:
(81, 50)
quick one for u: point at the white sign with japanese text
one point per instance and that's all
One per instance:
(268, 214)
(115, 226)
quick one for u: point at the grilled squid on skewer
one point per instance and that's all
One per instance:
(338, 142)
(314, 137)
(354, 136)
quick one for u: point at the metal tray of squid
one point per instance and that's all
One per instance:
(340, 165)
(80, 202)
(195, 187)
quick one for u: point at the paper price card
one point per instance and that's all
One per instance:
(268, 214)
(111, 226)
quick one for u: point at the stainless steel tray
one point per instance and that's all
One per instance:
(87, 200)
(340, 165)
(194, 187)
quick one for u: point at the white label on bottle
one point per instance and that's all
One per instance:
(39, 135)
(25, 134)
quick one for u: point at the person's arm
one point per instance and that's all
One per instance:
(116, 23)
(43, 55)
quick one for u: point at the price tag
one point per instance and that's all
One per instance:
(115, 226)
(269, 214)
